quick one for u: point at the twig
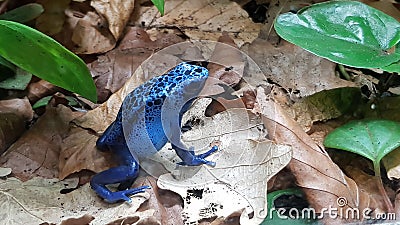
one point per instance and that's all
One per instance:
(386, 199)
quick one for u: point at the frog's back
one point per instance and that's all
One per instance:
(141, 111)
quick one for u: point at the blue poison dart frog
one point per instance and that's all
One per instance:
(142, 127)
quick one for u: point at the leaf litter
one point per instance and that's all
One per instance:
(295, 74)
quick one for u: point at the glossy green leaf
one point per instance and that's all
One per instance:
(44, 57)
(160, 5)
(24, 13)
(19, 81)
(372, 139)
(346, 32)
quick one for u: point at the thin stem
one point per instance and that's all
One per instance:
(377, 169)
(343, 71)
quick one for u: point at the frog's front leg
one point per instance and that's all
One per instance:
(187, 155)
(189, 158)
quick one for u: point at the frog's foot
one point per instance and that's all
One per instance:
(113, 197)
(189, 158)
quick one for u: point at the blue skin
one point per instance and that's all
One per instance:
(148, 130)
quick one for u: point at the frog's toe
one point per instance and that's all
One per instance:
(123, 195)
(134, 191)
(189, 158)
(210, 163)
(117, 196)
(209, 152)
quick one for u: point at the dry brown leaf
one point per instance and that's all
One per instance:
(14, 113)
(228, 70)
(73, 14)
(79, 152)
(116, 13)
(321, 106)
(39, 201)
(322, 181)
(95, 32)
(244, 164)
(167, 205)
(369, 184)
(114, 68)
(201, 20)
(90, 35)
(20, 107)
(51, 21)
(392, 164)
(37, 151)
(41, 89)
(293, 68)
(220, 104)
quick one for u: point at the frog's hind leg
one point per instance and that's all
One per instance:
(122, 174)
(189, 158)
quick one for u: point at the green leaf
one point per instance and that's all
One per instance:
(42, 102)
(346, 32)
(19, 81)
(160, 5)
(394, 67)
(44, 57)
(45, 100)
(24, 13)
(372, 139)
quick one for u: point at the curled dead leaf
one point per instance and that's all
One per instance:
(115, 12)
(322, 180)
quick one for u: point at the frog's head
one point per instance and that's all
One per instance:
(189, 77)
(189, 71)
